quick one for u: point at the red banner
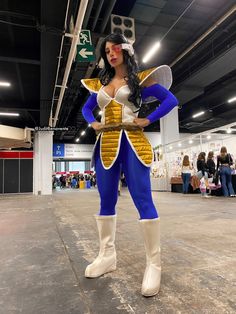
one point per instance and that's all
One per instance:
(16, 154)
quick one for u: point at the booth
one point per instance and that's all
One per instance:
(168, 164)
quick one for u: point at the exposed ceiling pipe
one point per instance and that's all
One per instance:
(107, 14)
(98, 10)
(211, 29)
(78, 24)
(59, 63)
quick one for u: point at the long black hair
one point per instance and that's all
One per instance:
(108, 71)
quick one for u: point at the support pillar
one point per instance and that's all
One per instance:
(169, 127)
(42, 177)
(67, 168)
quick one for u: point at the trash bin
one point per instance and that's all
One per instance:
(88, 184)
(82, 184)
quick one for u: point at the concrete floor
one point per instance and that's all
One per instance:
(46, 243)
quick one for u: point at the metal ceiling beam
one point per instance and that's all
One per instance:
(18, 73)
(59, 63)
(107, 15)
(217, 68)
(201, 38)
(50, 47)
(77, 30)
(19, 60)
(98, 10)
(87, 14)
(18, 109)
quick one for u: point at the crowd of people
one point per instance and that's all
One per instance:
(209, 170)
(73, 181)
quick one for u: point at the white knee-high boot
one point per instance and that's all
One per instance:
(152, 276)
(106, 259)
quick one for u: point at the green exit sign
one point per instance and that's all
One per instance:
(85, 49)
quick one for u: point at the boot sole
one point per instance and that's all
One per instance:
(150, 295)
(113, 268)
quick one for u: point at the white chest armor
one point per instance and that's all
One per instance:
(121, 97)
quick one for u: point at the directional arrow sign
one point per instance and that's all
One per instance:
(84, 53)
(85, 50)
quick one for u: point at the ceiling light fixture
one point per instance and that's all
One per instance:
(231, 99)
(229, 130)
(5, 84)
(100, 113)
(83, 132)
(179, 144)
(190, 141)
(10, 114)
(151, 52)
(77, 140)
(208, 137)
(198, 114)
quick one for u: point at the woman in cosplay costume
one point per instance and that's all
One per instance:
(122, 146)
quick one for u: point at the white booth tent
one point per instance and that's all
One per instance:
(171, 155)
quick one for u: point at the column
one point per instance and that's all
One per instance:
(42, 169)
(67, 166)
(57, 166)
(87, 165)
(169, 127)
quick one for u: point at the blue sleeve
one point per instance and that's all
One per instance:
(88, 108)
(167, 99)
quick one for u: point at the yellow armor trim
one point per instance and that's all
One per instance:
(113, 113)
(93, 85)
(110, 140)
(141, 145)
(145, 74)
(162, 75)
(109, 147)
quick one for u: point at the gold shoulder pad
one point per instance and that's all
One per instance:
(93, 85)
(161, 74)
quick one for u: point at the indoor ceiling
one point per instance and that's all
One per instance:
(204, 76)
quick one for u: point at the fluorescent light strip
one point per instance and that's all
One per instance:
(151, 52)
(6, 84)
(198, 114)
(9, 114)
(232, 99)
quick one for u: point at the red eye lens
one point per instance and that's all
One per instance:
(117, 48)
